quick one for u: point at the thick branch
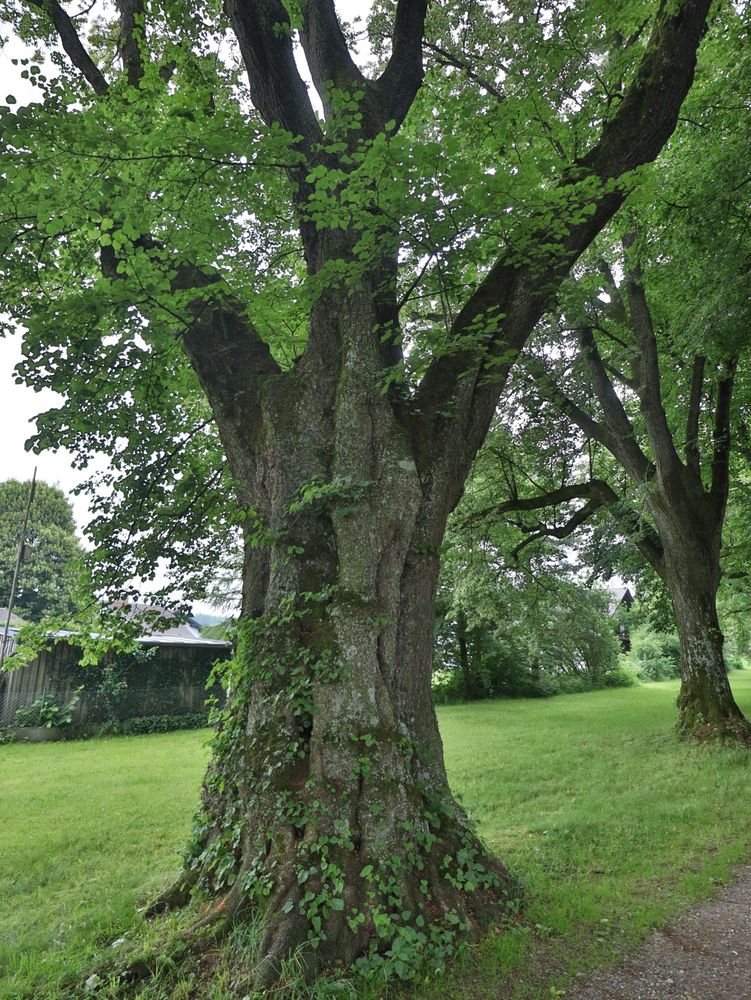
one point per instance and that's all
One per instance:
(326, 50)
(596, 490)
(598, 494)
(132, 14)
(513, 296)
(616, 307)
(71, 42)
(648, 366)
(721, 435)
(622, 447)
(226, 351)
(629, 453)
(400, 81)
(568, 528)
(277, 90)
(693, 460)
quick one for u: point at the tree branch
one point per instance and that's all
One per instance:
(629, 453)
(132, 15)
(224, 348)
(594, 489)
(264, 34)
(623, 447)
(648, 367)
(721, 435)
(693, 460)
(326, 50)
(598, 494)
(73, 46)
(450, 59)
(400, 81)
(546, 531)
(616, 307)
(510, 300)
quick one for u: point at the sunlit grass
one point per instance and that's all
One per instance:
(609, 822)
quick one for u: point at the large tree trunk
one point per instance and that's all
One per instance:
(327, 802)
(691, 535)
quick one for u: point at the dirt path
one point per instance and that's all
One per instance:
(705, 955)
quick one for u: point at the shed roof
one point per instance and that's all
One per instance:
(15, 621)
(161, 633)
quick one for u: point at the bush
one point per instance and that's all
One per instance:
(447, 686)
(154, 724)
(46, 711)
(621, 677)
(654, 656)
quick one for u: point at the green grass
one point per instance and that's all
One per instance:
(87, 831)
(611, 824)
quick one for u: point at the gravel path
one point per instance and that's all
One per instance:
(705, 955)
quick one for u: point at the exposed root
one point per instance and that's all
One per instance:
(219, 920)
(733, 731)
(177, 896)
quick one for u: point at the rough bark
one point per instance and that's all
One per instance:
(691, 531)
(328, 789)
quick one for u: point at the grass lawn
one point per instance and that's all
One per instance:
(610, 823)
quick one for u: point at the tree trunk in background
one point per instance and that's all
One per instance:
(691, 529)
(470, 687)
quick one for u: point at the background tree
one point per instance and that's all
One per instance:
(515, 621)
(48, 578)
(645, 368)
(348, 290)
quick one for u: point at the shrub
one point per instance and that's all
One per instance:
(447, 686)
(654, 656)
(154, 724)
(47, 711)
(620, 677)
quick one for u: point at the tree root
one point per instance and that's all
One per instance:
(735, 731)
(175, 897)
(203, 935)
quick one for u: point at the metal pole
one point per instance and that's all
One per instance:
(19, 558)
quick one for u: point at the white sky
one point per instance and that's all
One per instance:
(19, 405)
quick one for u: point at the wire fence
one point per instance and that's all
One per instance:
(91, 709)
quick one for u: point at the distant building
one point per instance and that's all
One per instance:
(619, 599)
(170, 680)
(16, 624)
